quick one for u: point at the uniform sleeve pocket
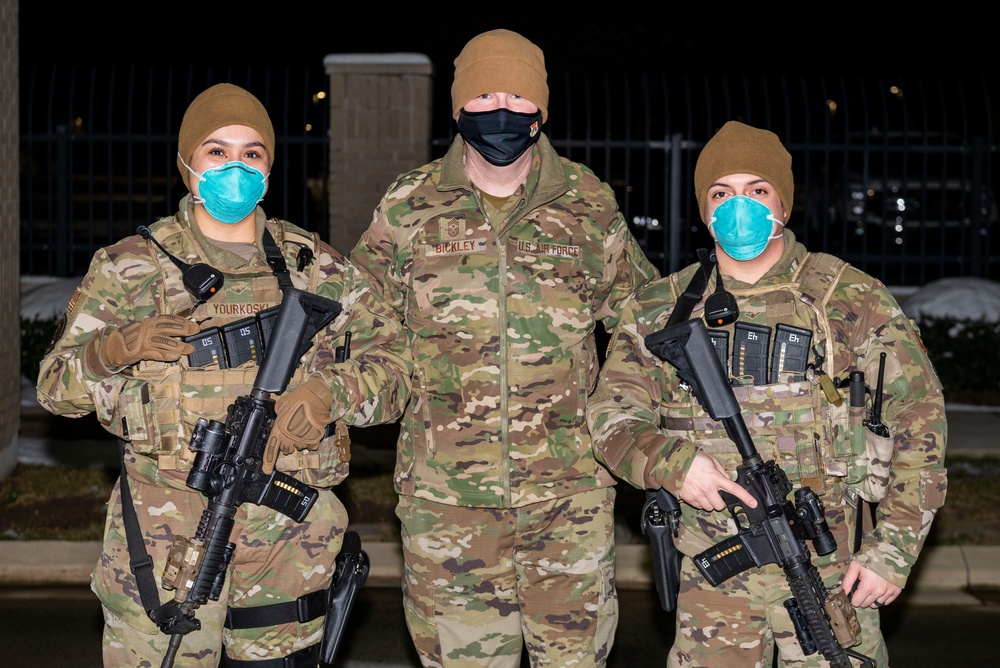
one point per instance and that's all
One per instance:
(933, 489)
(875, 465)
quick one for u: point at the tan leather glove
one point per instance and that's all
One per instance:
(155, 338)
(301, 417)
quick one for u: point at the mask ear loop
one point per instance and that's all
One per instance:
(194, 198)
(774, 219)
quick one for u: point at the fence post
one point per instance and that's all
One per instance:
(676, 220)
(380, 127)
(980, 219)
(61, 231)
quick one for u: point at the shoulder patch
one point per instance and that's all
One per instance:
(73, 300)
(57, 334)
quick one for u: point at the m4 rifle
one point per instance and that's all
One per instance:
(229, 468)
(776, 530)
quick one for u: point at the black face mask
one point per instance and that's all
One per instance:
(500, 135)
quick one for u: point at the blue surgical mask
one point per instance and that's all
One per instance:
(742, 226)
(501, 136)
(230, 191)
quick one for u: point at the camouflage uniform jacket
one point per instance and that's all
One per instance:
(500, 308)
(155, 405)
(647, 428)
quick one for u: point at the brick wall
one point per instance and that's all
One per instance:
(10, 300)
(380, 126)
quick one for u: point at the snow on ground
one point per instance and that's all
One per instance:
(959, 298)
(43, 297)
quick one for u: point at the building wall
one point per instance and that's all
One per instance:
(10, 300)
(380, 126)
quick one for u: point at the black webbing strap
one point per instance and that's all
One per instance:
(695, 289)
(307, 657)
(141, 566)
(276, 261)
(303, 609)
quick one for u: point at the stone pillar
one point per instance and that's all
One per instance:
(380, 127)
(10, 241)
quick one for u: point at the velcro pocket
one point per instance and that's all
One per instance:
(933, 488)
(138, 420)
(871, 475)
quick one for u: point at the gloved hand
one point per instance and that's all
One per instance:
(301, 417)
(155, 338)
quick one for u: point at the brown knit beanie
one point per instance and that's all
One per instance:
(216, 107)
(741, 149)
(500, 61)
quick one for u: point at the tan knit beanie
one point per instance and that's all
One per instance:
(500, 61)
(216, 107)
(741, 149)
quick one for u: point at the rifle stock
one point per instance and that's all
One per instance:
(775, 530)
(228, 469)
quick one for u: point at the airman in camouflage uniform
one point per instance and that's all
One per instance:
(119, 354)
(651, 432)
(502, 257)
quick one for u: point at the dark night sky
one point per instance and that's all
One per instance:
(847, 36)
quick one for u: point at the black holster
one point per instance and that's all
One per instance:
(350, 573)
(660, 517)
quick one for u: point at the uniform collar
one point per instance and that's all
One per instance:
(545, 182)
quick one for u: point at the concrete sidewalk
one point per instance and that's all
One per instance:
(944, 575)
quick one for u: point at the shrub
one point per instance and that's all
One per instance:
(36, 336)
(965, 353)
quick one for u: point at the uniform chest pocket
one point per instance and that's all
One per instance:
(453, 280)
(552, 281)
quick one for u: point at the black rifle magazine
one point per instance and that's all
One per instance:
(350, 573)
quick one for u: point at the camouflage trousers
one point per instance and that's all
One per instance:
(740, 623)
(481, 584)
(276, 560)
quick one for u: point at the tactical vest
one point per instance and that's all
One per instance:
(159, 412)
(812, 432)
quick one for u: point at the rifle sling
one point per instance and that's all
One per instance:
(280, 269)
(695, 289)
(142, 568)
(685, 304)
(276, 261)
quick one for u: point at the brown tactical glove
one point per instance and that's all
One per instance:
(155, 338)
(301, 417)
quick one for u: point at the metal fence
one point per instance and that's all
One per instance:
(895, 176)
(98, 152)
